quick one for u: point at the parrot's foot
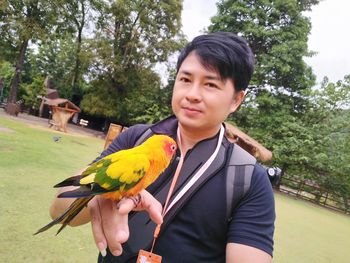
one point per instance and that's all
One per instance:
(136, 199)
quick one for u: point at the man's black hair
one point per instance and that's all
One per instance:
(224, 52)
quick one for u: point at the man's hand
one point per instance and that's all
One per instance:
(110, 219)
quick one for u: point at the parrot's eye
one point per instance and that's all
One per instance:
(173, 147)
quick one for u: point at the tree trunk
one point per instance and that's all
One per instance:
(77, 63)
(80, 27)
(1, 89)
(19, 67)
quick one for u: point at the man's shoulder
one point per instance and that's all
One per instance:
(132, 134)
(137, 129)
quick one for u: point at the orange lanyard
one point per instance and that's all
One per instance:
(170, 192)
(190, 183)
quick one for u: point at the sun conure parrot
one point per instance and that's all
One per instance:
(121, 174)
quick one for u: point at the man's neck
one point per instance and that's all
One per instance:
(190, 138)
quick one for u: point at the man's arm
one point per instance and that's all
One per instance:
(59, 205)
(250, 232)
(110, 220)
(238, 253)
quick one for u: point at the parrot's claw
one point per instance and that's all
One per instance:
(136, 199)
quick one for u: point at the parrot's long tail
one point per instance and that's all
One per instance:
(68, 215)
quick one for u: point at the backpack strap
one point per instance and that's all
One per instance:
(239, 171)
(145, 135)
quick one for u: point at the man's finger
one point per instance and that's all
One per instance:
(147, 202)
(115, 227)
(152, 206)
(96, 224)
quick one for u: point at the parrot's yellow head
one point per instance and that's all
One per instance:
(164, 143)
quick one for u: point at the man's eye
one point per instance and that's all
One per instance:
(212, 85)
(184, 79)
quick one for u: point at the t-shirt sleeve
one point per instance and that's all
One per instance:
(124, 140)
(253, 219)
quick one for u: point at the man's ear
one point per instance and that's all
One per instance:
(237, 100)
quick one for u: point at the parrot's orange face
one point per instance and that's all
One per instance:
(169, 147)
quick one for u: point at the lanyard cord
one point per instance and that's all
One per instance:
(189, 184)
(171, 189)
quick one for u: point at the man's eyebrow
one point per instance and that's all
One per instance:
(185, 72)
(210, 77)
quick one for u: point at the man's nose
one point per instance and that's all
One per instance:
(194, 93)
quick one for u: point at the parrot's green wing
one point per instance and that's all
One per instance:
(122, 171)
(116, 172)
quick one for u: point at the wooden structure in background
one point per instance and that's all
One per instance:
(247, 143)
(113, 131)
(233, 134)
(62, 111)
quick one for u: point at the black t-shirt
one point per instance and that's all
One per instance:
(200, 231)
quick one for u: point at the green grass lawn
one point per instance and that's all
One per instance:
(31, 162)
(309, 233)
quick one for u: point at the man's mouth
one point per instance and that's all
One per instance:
(190, 109)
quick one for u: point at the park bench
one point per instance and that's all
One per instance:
(83, 123)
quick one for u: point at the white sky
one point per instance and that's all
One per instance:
(329, 37)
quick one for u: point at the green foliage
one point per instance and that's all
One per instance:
(145, 102)
(328, 120)
(277, 32)
(132, 36)
(151, 114)
(33, 92)
(314, 145)
(272, 125)
(114, 60)
(152, 105)
(55, 58)
(6, 73)
(22, 22)
(307, 129)
(77, 16)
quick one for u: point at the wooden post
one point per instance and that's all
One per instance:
(113, 131)
(325, 200)
(300, 187)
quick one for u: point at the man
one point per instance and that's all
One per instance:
(212, 73)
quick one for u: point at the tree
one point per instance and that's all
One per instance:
(6, 72)
(273, 125)
(22, 22)
(56, 58)
(77, 15)
(277, 31)
(315, 145)
(33, 91)
(131, 37)
(328, 119)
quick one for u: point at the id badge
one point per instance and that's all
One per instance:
(148, 257)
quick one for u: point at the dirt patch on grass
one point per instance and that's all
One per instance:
(43, 123)
(4, 129)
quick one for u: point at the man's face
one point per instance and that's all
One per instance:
(201, 99)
